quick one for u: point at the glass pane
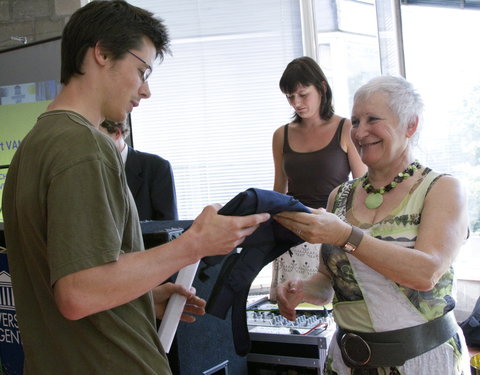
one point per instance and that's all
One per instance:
(216, 101)
(442, 62)
(348, 47)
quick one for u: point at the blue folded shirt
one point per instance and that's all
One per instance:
(239, 270)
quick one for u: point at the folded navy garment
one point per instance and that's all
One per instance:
(239, 270)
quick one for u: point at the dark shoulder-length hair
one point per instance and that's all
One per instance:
(116, 25)
(306, 71)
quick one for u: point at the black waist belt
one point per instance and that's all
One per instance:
(393, 348)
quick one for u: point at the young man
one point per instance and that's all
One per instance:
(85, 290)
(149, 176)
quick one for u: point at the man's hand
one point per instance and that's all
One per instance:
(194, 304)
(215, 234)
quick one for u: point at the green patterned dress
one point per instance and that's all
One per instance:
(366, 301)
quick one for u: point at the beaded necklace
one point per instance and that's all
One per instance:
(375, 196)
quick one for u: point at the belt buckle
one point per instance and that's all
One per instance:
(355, 350)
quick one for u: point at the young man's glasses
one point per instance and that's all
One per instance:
(146, 73)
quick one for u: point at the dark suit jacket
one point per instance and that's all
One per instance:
(150, 179)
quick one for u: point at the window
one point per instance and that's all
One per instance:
(446, 3)
(442, 62)
(216, 101)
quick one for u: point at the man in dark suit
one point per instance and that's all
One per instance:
(149, 177)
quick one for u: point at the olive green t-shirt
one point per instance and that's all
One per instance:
(67, 207)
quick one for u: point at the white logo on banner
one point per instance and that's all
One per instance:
(7, 301)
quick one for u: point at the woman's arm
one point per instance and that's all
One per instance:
(356, 165)
(317, 290)
(442, 231)
(280, 182)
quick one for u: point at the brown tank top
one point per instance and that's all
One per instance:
(313, 175)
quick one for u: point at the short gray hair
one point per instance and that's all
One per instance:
(402, 98)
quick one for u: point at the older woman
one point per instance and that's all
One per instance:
(390, 239)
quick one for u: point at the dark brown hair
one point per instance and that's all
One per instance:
(116, 25)
(305, 71)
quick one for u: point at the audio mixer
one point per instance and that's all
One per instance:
(279, 344)
(264, 316)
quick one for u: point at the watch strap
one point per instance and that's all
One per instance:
(353, 240)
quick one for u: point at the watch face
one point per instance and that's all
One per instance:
(349, 248)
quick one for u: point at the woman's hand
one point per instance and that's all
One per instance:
(194, 304)
(319, 227)
(316, 290)
(289, 296)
